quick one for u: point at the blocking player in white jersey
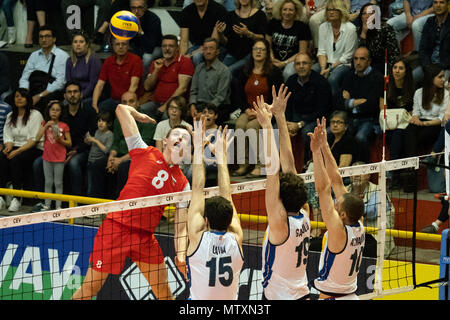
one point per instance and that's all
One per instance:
(286, 244)
(214, 254)
(341, 254)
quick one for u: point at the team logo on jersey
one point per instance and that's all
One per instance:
(159, 161)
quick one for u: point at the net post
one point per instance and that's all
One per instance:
(381, 226)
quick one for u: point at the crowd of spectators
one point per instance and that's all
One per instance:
(332, 59)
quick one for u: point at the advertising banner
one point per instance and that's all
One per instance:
(48, 261)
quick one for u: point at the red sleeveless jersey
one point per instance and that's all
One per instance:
(149, 175)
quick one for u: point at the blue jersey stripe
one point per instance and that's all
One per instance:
(269, 257)
(327, 264)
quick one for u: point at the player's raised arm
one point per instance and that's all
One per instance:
(128, 116)
(276, 213)
(278, 109)
(222, 143)
(334, 224)
(337, 184)
(196, 221)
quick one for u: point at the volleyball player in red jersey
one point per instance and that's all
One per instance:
(130, 232)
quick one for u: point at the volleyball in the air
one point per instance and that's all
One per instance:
(124, 25)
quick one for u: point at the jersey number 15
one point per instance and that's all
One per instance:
(225, 272)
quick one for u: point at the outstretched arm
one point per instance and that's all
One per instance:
(195, 221)
(222, 144)
(128, 116)
(330, 163)
(334, 224)
(278, 109)
(276, 213)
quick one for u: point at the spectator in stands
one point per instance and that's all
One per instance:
(197, 23)
(8, 10)
(236, 32)
(100, 146)
(147, 43)
(337, 43)
(435, 41)
(377, 40)
(110, 176)
(5, 82)
(342, 144)
(210, 112)
(36, 12)
(439, 145)
(255, 79)
(20, 148)
(56, 134)
(4, 110)
(177, 111)
(211, 81)
(169, 76)
(310, 100)
(416, 13)
(319, 17)
(229, 5)
(123, 71)
(400, 94)
(40, 61)
(83, 66)
(430, 110)
(287, 35)
(362, 95)
(81, 120)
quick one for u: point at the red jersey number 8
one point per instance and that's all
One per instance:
(158, 181)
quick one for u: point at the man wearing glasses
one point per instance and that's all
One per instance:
(41, 61)
(123, 70)
(169, 76)
(310, 99)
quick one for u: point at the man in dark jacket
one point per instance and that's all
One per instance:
(147, 42)
(435, 42)
(362, 97)
(310, 100)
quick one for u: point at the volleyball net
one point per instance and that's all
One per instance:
(45, 255)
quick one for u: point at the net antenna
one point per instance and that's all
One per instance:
(386, 81)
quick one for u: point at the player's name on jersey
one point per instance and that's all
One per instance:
(218, 250)
(358, 240)
(300, 231)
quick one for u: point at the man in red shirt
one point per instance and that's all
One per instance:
(129, 233)
(123, 70)
(169, 76)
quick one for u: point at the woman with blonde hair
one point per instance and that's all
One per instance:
(288, 35)
(83, 66)
(353, 8)
(337, 43)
